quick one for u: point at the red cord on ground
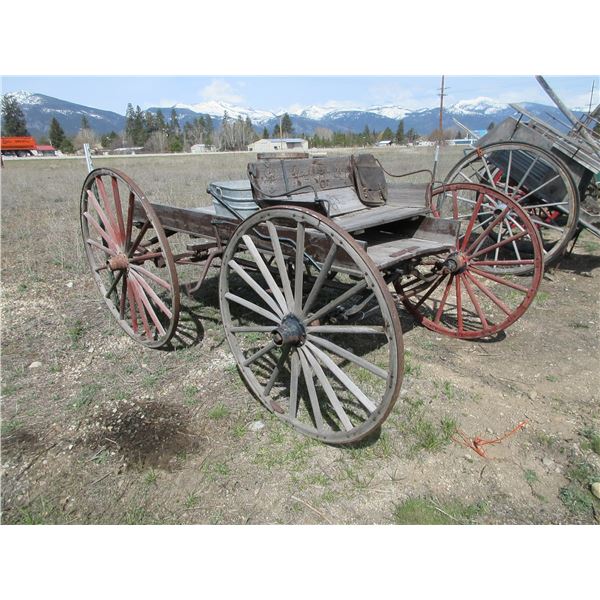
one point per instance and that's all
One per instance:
(476, 443)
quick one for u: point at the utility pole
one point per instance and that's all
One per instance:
(441, 134)
(442, 94)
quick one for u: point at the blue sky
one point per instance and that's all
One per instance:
(283, 93)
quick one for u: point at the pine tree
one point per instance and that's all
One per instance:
(265, 133)
(174, 124)
(129, 124)
(387, 134)
(400, 132)
(286, 125)
(85, 124)
(56, 134)
(13, 118)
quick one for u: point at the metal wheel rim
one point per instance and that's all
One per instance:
(431, 302)
(153, 320)
(312, 351)
(538, 210)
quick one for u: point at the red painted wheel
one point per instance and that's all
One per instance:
(129, 256)
(469, 292)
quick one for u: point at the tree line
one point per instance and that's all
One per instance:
(152, 132)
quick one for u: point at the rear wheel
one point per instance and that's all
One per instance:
(130, 257)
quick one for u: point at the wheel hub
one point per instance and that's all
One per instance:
(119, 262)
(291, 331)
(455, 263)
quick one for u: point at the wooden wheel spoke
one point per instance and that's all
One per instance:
(122, 302)
(333, 399)
(281, 267)
(475, 302)
(342, 377)
(114, 284)
(108, 211)
(343, 353)
(487, 231)
(325, 310)
(459, 314)
(106, 249)
(294, 376)
(490, 294)
(374, 329)
(316, 288)
(138, 239)
(299, 269)
(252, 328)
(118, 207)
(265, 273)
(431, 289)
(103, 217)
(285, 351)
(259, 291)
(472, 221)
(132, 308)
(506, 282)
(101, 232)
(504, 242)
(312, 392)
(266, 348)
(129, 225)
(140, 308)
(253, 307)
(148, 306)
(153, 295)
(151, 275)
(440, 309)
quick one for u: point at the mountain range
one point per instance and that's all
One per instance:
(477, 113)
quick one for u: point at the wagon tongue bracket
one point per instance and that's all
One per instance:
(291, 331)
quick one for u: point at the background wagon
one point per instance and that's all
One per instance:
(552, 170)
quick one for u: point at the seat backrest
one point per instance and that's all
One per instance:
(297, 181)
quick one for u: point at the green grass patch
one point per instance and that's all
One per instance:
(592, 440)
(190, 395)
(579, 502)
(86, 395)
(75, 331)
(530, 476)
(419, 511)
(9, 426)
(150, 477)
(411, 369)
(218, 412)
(541, 298)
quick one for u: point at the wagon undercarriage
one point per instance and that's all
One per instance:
(309, 301)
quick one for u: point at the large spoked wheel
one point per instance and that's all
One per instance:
(311, 324)
(469, 292)
(531, 176)
(129, 256)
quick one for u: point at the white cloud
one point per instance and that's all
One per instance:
(220, 91)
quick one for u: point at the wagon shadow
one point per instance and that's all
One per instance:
(579, 263)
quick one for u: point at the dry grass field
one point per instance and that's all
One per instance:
(96, 429)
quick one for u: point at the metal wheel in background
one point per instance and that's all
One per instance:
(321, 347)
(130, 257)
(530, 176)
(470, 292)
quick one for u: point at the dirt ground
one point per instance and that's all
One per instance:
(96, 429)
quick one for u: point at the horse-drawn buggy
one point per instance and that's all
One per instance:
(312, 274)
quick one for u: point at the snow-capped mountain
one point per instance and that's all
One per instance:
(476, 113)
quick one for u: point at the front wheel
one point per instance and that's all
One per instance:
(311, 324)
